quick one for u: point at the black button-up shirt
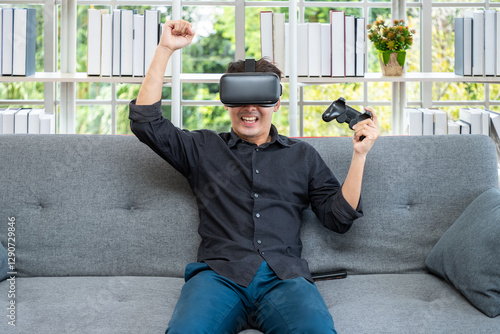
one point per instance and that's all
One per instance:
(250, 198)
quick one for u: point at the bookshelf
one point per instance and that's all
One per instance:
(66, 77)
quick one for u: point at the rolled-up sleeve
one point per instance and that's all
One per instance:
(176, 146)
(327, 200)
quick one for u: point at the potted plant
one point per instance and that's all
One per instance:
(391, 43)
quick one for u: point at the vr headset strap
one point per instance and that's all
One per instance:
(249, 65)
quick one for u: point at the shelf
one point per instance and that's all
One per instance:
(214, 78)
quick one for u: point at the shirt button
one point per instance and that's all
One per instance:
(262, 253)
(257, 215)
(257, 150)
(255, 195)
(259, 242)
(257, 171)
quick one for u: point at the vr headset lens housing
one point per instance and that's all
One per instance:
(250, 88)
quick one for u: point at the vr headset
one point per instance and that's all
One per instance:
(250, 87)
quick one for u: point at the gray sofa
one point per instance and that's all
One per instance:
(104, 228)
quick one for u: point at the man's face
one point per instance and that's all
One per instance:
(252, 123)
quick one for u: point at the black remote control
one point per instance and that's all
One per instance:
(343, 113)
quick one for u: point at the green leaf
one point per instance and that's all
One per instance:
(401, 58)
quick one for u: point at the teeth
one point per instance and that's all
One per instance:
(249, 119)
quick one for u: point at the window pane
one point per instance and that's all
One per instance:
(329, 93)
(122, 121)
(214, 44)
(457, 91)
(93, 90)
(21, 91)
(214, 118)
(127, 91)
(93, 119)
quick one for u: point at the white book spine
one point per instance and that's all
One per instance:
(478, 43)
(151, 25)
(287, 46)
(337, 21)
(8, 120)
(34, 121)
(126, 51)
(94, 42)
(19, 43)
(350, 46)
(266, 35)
(117, 15)
(7, 40)
(107, 45)
(302, 51)
(360, 46)
(467, 46)
(47, 124)
(21, 121)
(489, 42)
(326, 49)
(279, 40)
(314, 49)
(414, 121)
(138, 46)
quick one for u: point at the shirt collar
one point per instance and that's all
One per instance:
(275, 137)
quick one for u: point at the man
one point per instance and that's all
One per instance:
(251, 186)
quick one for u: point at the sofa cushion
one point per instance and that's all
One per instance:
(468, 253)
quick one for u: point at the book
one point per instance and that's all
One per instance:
(302, 51)
(127, 37)
(8, 120)
(107, 45)
(413, 121)
(473, 118)
(47, 124)
(467, 46)
(350, 46)
(459, 45)
(440, 122)
(151, 37)
(464, 127)
(94, 42)
(138, 46)
(314, 49)
(266, 35)
(427, 122)
(34, 120)
(117, 15)
(489, 42)
(21, 121)
(279, 40)
(7, 40)
(454, 128)
(478, 42)
(23, 61)
(337, 21)
(287, 47)
(326, 49)
(360, 46)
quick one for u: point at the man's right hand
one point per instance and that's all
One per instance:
(176, 35)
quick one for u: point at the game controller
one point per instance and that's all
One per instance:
(343, 113)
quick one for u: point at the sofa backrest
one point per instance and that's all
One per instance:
(108, 205)
(414, 188)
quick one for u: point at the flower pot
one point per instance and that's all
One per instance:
(392, 63)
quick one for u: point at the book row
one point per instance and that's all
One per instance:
(335, 49)
(433, 121)
(122, 43)
(26, 120)
(477, 43)
(17, 41)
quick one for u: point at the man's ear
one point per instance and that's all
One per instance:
(277, 106)
(225, 107)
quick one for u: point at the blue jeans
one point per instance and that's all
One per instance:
(212, 304)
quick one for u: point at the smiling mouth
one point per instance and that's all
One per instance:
(249, 119)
